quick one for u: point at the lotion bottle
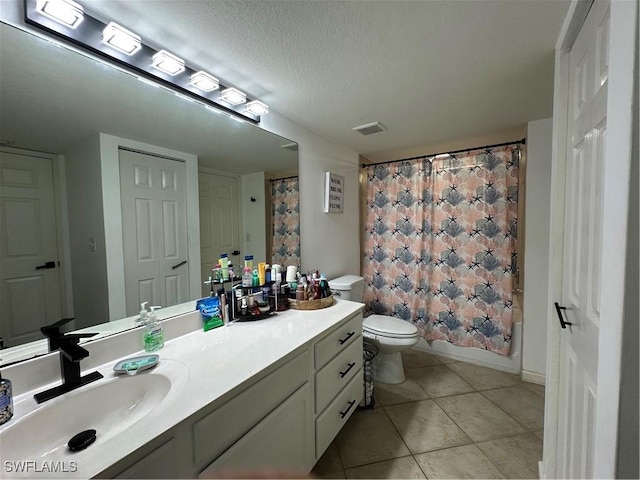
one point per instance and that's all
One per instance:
(144, 314)
(153, 334)
(6, 400)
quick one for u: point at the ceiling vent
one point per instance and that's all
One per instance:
(370, 128)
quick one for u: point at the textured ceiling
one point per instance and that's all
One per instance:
(430, 71)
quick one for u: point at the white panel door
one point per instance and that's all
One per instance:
(219, 222)
(29, 296)
(154, 226)
(583, 255)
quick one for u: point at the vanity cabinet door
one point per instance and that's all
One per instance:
(281, 444)
(160, 463)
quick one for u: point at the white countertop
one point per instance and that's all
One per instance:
(216, 362)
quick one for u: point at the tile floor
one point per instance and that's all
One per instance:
(447, 420)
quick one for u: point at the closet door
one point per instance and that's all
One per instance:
(154, 225)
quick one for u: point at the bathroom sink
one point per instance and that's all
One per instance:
(109, 406)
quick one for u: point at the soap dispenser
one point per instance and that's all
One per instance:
(153, 334)
(144, 314)
(6, 400)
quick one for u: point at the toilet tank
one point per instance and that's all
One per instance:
(351, 287)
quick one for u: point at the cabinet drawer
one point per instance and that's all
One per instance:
(337, 373)
(338, 412)
(215, 432)
(338, 340)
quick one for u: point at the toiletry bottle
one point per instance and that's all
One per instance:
(243, 306)
(6, 400)
(144, 314)
(224, 263)
(255, 279)
(261, 272)
(247, 280)
(248, 262)
(232, 275)
(300, 292)
(267, 273)
(153, 334)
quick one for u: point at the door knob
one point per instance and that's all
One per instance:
(235, 252)
(559, 310)
(46, 266)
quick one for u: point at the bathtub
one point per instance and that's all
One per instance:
(477, 356)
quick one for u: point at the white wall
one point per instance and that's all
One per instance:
(329, 242)
(88, 269)
(536, 251)
(254, 228)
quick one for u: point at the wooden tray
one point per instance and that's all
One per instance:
(311, 304)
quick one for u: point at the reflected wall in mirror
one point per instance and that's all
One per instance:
(116, 191)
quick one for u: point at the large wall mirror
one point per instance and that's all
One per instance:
(80, 139)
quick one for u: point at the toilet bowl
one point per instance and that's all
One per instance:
(389, 334)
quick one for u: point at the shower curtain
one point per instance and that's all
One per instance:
(440, 245)
(285, 201)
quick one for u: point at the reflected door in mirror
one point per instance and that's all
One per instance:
(154, 230)
(219, 222)
(29, 296)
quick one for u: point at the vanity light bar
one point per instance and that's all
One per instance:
(168, 63)
(121, 39)
(233, 96)
(257, 108)
(65, 12)
(126, 51)
(205, 82)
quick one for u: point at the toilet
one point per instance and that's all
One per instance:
(389, 334)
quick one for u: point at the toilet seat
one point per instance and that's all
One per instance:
(389, 327)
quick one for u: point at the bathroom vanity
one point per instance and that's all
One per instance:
(270, 394)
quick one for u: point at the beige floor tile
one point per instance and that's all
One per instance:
(483, 378)
(535, 388)
(516, 456)
(478, 417)
(439, 381)
(405, 467)
(458, 462)
(425, 427)
(407, 391)
(412, 358)
(329, 462)
(445, 360)
(369, 436)
(520, 403)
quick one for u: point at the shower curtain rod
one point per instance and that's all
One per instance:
(283, 178)
(523, 141)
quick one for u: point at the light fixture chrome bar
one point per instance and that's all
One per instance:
(89, 35)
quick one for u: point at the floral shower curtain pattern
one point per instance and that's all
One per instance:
(285, 201)
(440, 245)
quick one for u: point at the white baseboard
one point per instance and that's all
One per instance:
(533, 377)
(541, 474)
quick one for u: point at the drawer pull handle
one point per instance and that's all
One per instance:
(350, 366)
(345, 339)
(351, 404)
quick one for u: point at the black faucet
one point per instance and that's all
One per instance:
(70, 355)
(53, 333)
